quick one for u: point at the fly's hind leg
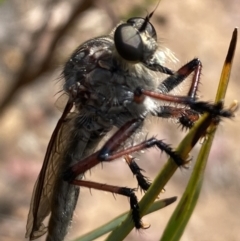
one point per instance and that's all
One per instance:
(110, 152)
(125, 191)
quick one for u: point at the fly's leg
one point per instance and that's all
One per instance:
(179, 76)
(176, 78)
(186, 117)
(109, 152)
(216, 110)
(155, 66)
(190, 99)
(125, 191)
(143, 182)
(105, 152)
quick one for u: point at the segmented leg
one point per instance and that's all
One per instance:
(128, 192)
(143, 181)
(198, 106)
(179, 76)
(109, 152)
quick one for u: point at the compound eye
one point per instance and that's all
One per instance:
(128, 42)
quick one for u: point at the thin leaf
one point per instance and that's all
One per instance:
(115, 222)
(183, 212)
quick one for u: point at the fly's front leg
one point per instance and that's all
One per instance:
(216, 110)
(185, 117)
(190, 99)
(179, 76)
(176, 78)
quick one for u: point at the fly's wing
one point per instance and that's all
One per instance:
(42, 194)
(80, 64)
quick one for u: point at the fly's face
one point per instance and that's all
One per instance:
(136, 40)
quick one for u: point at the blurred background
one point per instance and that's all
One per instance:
(36, 39)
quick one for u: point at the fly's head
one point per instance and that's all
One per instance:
(136, 40)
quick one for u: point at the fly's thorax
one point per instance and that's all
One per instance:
(98, 78)
(85, 59)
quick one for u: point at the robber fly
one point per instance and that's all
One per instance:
(111, 82)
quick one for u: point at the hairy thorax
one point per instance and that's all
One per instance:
(104, 84)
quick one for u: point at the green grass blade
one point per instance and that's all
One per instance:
(115, 222)
(182, 213)
(226, 71)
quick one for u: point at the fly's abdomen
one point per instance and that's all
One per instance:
(65, 195)
(64, 203)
